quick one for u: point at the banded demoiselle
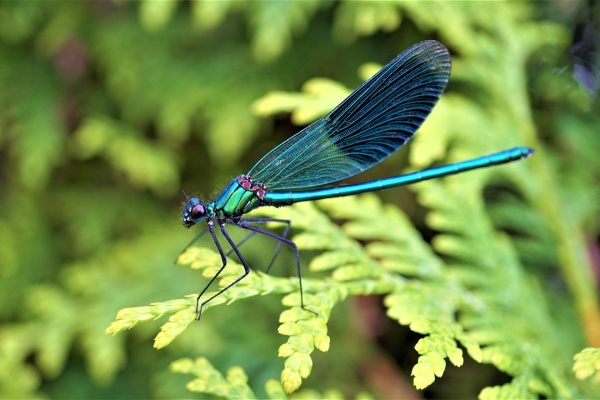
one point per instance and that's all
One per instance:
(378, 118)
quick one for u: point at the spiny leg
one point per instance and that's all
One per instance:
(240, 257)
(289, 243)
(197, 237)
(286, 222)
(211, 229)
(241, 242)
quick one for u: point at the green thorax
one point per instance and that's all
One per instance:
(238, 198)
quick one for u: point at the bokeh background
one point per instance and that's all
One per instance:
(109, 109)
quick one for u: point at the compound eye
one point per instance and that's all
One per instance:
(198, 211)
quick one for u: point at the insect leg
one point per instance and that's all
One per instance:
(286, 222)
(289, 243)
(211, 229)
(239, 255)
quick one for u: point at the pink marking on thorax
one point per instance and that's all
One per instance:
(259, 190)
(246, 183)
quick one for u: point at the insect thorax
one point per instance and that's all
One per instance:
(240, 197)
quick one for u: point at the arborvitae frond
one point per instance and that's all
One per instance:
(486, 303)
(587, 363)
(234, 385)
(209, 380)
(109, 107)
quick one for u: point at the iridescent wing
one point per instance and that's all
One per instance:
(378, 118)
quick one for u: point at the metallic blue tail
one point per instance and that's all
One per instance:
(278, 199)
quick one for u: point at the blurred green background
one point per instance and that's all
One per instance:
(111, 108)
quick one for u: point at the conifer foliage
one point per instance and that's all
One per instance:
(110, 108)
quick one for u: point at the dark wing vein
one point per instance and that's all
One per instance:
(378, 118)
